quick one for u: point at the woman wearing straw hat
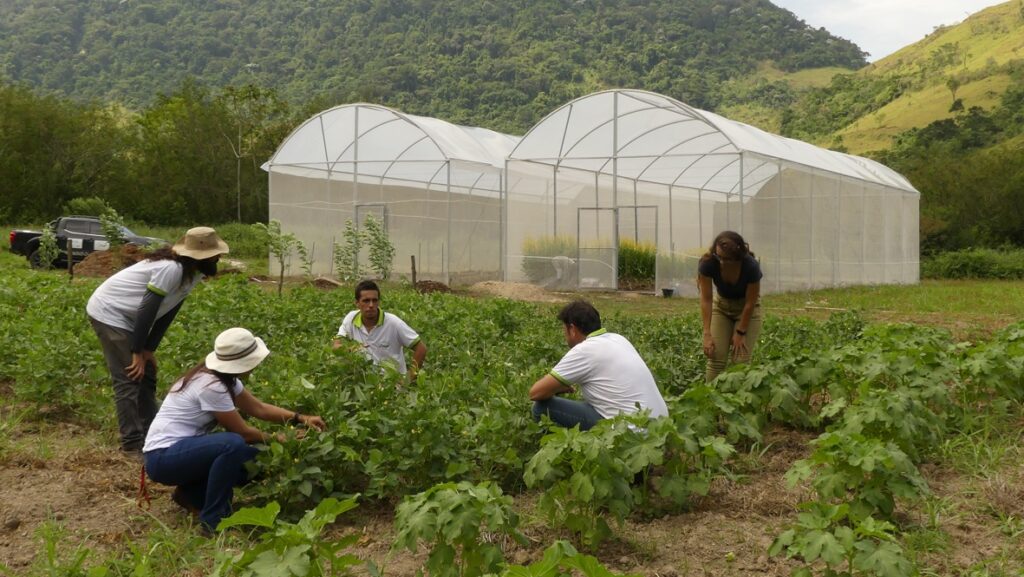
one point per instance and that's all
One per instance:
(180, 450)
(130, 313)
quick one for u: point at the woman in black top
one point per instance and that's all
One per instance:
(732, 315)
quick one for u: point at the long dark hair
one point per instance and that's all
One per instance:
(189, 265)
(740, 250)
(226, 379)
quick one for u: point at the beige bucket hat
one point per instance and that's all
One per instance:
(200, 243)
(236, 351)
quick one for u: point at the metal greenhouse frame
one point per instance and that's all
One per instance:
(630, 165)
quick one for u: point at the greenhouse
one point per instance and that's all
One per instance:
(435, 186)
(626, 189)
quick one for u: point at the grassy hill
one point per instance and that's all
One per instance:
(977, 55)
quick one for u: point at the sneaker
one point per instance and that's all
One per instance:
(178, 496)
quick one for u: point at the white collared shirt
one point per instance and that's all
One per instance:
(611, 376)
(386, 342)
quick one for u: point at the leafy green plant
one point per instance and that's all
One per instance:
(280, 244)
(112, 225)
(561, 559)
(845, 544)
(346, 253)
(288, 549)
(460, 521)
(89, 206)
(865, 472)
(382, 252)
(48, 251)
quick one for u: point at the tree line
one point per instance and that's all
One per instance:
(192, 156)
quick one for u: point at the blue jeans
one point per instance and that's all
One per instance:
(567, 412)
(207, 468)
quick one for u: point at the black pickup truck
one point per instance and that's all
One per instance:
(83, 232)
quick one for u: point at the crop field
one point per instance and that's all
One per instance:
(878, 432)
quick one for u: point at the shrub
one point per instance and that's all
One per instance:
(91, 206)
(983, 263)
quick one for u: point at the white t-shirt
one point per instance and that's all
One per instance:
(116, 302)
(189, 413)
(386, 343)
(611, 376)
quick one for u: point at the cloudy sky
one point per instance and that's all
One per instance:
(881, 27)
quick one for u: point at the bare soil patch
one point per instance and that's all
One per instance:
(516, 291)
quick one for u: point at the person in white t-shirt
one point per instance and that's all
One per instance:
(604, 366)
(130, 313)
(381, 336)
(180, 448)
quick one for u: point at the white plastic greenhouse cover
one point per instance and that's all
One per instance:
(664, 141)
(391, 145)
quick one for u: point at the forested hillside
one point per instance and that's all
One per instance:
(502, 65)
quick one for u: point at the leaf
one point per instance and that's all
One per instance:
(258, 517)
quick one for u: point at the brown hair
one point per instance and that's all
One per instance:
(226, 379)
(741, 249)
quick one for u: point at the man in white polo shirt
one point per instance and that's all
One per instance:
(610, 374)
(382, 337)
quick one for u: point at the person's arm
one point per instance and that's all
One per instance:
(246, 402)
(739, 343)
(419, 354)
(706, 288)
(156, 334)
(144, 319)
(547, 387)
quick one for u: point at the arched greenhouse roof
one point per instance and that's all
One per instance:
(390, 145)
(660, 140)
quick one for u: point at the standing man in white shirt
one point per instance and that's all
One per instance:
(610, 374)
(382, 336)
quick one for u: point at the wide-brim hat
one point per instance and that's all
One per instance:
(200, 243)
(236, 351)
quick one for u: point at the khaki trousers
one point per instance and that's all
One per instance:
(725, 314)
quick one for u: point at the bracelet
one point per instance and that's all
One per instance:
(741, 333)
(296, 419)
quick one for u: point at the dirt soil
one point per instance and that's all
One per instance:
(106, 262)
(88, 487)
(517, 291)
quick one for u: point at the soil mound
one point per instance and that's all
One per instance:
(431, 286)
(104, 263)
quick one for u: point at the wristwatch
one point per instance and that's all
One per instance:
(741, 333)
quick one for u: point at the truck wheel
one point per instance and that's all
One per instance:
(35, 259)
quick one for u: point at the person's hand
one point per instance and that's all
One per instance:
(137, 369)
(566, 390)
(709, 345)
(313, 422)
(739, 346)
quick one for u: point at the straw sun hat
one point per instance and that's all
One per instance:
(200, 243)
(236, 351)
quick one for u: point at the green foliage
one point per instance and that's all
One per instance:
(48, 251)
(636, 263)
(498, 65)
(561, 560)
(866, 472)
(460, 522)
(87, 206)
(346, 253)
(281, 245)
(289, 549)
(382, 252)
(112, 226)
(975, 263)
(845, 544)
(587, 476)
